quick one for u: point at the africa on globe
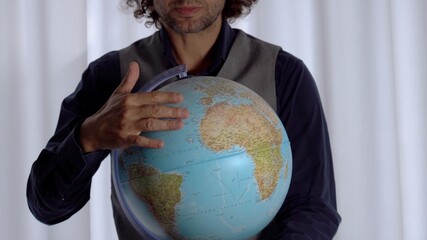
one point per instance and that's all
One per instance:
(224, 175)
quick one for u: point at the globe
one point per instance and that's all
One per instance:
(224, 175)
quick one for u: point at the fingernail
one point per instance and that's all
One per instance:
(179, 124)
(185, 113)
(178, 97)
(160, 144)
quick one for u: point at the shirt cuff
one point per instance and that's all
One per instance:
(75, 164)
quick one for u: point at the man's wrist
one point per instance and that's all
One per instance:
(87, 144)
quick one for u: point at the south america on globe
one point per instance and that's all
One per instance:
(224, 175)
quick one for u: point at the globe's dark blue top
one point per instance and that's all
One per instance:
(60, 179)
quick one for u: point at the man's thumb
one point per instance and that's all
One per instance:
(130, 79)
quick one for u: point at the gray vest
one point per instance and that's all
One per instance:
(250, 62)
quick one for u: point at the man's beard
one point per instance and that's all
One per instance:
(192, 27)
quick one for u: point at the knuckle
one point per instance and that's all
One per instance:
(155, 111)
(149, 143)
(176, 124)
(124, 100)
(155, 96)
(122, 113)
(121, 135)
(149, 124)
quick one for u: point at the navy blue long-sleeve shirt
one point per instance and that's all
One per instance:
(60, 179)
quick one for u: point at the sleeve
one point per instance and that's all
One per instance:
(60, 178)
(309, 210)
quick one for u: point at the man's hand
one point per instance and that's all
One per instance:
(125, 115)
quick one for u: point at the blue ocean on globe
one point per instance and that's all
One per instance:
(224, 175)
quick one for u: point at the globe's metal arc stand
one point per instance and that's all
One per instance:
(178, 72)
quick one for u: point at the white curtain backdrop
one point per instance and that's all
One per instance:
(369, 59)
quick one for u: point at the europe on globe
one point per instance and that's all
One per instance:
(224, 175)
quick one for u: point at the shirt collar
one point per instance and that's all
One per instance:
(221, 48)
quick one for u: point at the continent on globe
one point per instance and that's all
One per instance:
(225, 126)
(160, 191)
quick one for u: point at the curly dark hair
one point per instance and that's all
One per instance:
(233, 9)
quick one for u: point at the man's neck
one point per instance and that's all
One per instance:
(195, 49)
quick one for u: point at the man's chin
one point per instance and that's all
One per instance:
(189, 27)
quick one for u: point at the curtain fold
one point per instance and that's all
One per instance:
(410, 70)
(369, 59)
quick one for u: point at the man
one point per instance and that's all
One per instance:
(105, 113)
